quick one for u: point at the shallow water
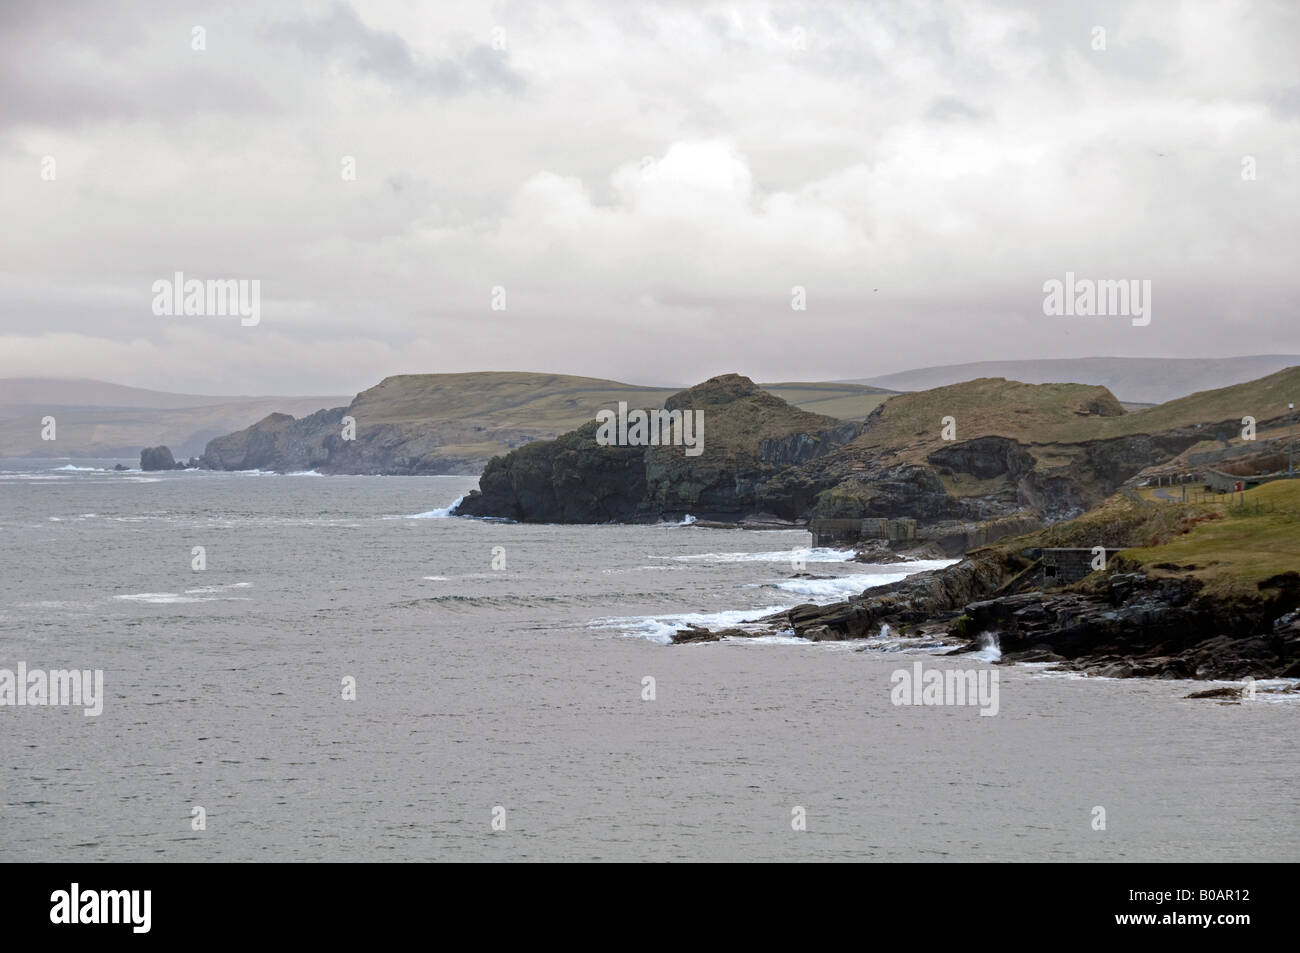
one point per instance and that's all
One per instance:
(521, 687)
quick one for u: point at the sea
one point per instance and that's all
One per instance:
(301, 667)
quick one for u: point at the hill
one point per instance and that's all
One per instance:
(100, 419)
(1016, 457)
(455, 423)
(1138, 380)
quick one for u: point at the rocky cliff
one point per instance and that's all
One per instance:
(750, 436)
(970, 462)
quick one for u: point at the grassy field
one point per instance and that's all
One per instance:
(1231, 544)
(1052, 414)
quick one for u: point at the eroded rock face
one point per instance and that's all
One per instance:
(567, 480)
(278, 442)
(985, 457)
(1136, 626)
(750, 436)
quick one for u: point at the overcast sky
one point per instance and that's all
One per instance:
(647, 182)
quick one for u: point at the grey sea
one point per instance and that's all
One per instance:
(515, 698)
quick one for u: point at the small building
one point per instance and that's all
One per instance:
(1221, 482)
(1066, 565)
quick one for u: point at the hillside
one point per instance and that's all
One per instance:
(1138, 380)
(1022, 456)
(1051, 450)
(455, 423)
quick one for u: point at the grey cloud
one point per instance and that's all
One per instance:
(947, 108)
(384, 54)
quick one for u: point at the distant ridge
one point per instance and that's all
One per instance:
(84, 392)
(1146, 380)
(100, 419)
(441, 422)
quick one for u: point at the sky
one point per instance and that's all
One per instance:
(648, 192)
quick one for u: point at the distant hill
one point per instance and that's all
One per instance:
(455, 423)
(83, 392)
(1139, 380)
(100, 419)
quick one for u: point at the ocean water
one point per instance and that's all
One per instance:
(515, 694)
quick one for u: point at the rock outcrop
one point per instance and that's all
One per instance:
(158, 458)
(750, 436)
(1137, 626)
(278, 442)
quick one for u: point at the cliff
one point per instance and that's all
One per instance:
(750, 435)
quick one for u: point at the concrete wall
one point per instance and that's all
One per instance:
(827, 532)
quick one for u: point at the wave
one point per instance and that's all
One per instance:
(203, 590)
(687, 520)
(441, 514)
(841, 587)
(818, 555)
(199, 594)
(161, 598)
(660, 628)
(82, 469)
(990, 650)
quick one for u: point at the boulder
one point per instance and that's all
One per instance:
(158, 458)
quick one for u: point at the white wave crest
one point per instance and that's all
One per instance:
(441, 514)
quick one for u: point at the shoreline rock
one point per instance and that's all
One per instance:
(1130, 626)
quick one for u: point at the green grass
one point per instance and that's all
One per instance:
(559, 402)
(1047, 416)
(1230, 547)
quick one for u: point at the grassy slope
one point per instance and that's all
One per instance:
(1046, 414)
(843, 401)
(561, 402)
(1249, 542)
(1231, 548)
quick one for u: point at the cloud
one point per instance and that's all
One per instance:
(341, 35)
(647, 184)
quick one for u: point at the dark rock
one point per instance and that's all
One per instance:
(822, 633)
(1040, 653)
(158, 458)
(984, 458)
(750, 436)
(695, 633)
